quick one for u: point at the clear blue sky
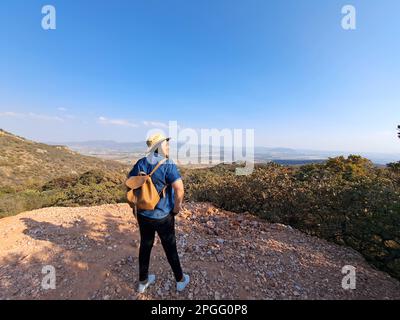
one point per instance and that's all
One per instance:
(284, 68)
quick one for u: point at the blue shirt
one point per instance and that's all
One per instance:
(166, 174)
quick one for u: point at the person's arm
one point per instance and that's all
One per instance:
(179, 193)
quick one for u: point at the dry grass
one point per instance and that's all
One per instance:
(24, 163)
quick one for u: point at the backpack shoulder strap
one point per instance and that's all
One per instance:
(157, 166)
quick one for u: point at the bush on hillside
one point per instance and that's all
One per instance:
(345, 200)
(94, 187)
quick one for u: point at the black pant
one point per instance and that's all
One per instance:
(166, 231)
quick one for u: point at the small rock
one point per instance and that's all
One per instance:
(211, 224)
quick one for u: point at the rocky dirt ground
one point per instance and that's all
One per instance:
(94, 251)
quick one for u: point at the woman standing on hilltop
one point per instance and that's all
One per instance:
(167, 180)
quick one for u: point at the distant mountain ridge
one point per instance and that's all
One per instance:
(105, 144)
(126, 151)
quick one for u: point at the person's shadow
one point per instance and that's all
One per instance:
(90, 260)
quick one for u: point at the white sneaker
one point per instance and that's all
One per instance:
(182, 284)
(143, 286)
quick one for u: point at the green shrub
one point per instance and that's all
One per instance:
(13, 203)
(90, 188)
(394, 167)
(345, 200)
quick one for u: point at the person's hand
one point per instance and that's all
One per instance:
(175, 212)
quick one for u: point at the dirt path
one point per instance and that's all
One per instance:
(229, 256)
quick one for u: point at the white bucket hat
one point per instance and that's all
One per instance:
(154, 141)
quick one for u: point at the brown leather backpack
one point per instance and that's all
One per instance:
(142, 193)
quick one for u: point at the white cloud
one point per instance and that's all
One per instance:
(155, 124)
(30, 115)
(9, 114)
(116, 122)
(44, 117)
(62, 109)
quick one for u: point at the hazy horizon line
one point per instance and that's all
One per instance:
(302, 149)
